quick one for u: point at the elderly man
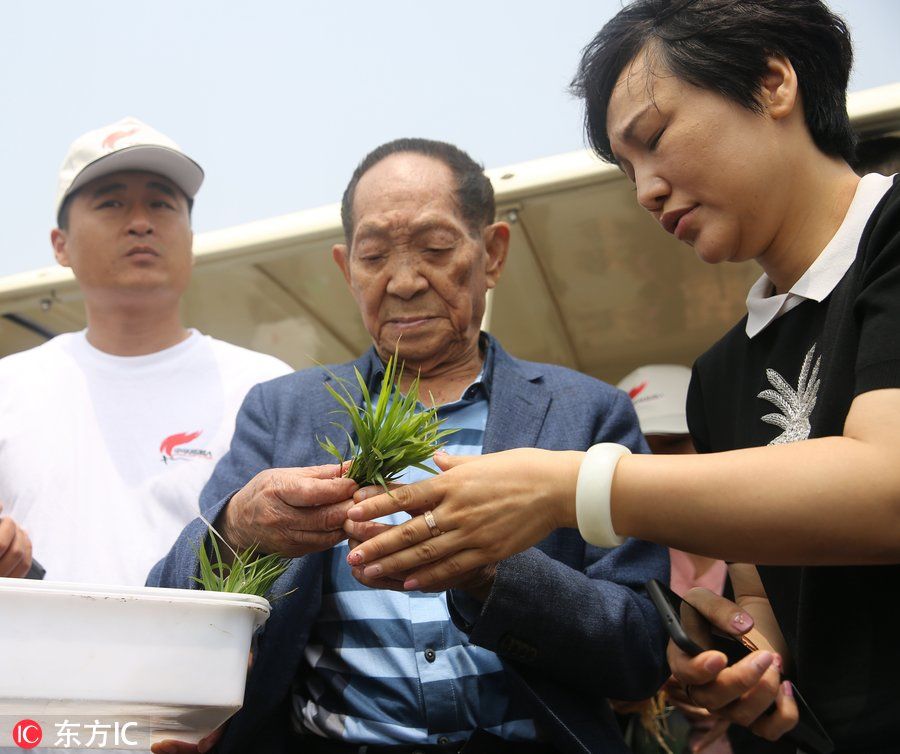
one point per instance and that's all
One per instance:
(108, 435)
(518, 657)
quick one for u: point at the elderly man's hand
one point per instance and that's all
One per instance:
(15, 549)
(289, 511)
(477, 582)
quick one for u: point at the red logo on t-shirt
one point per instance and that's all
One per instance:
(172, 450)
(27, 734)
(636, 390)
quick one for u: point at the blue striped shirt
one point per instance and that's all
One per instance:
(385, 667)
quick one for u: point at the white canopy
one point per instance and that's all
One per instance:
(592, 281)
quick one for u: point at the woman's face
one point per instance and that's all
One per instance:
(712, 172)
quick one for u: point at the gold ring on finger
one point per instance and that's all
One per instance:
(432, 524)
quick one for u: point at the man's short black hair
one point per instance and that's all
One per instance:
(62, 217)
(723, 46)
(474, 193)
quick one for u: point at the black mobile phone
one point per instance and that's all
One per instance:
(808, 735)
(36, 571)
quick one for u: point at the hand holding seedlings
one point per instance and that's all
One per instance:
(289, 511)
(392, 432)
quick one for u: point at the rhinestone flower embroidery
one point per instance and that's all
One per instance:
(795, 405)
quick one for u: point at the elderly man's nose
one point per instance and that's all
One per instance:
(405, 280)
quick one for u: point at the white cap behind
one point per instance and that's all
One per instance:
(127, 144)
(659, 394)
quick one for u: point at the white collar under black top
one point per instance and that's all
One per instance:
(826, 272)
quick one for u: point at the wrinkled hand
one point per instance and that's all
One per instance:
(289, 511)
(487, 507)
(15, 549)
(477, 582)
(741, 693)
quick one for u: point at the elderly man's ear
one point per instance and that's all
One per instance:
(340, 252)
(496, 246)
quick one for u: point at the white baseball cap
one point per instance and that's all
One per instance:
(127, 144)
(659, 394)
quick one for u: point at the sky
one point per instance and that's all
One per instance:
(278, 100)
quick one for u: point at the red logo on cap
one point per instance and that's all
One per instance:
(27, 734)
(636, 390)
(110, 141)
(171, 442)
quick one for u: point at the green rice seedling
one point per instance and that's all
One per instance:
(246, 573)
(388, 434)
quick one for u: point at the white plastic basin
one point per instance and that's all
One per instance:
(172, 661)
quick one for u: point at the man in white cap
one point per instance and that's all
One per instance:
(108, 435)
(659, 394)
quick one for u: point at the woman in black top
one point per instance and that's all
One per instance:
(729, 117)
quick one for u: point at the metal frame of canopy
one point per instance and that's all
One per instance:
(592, 282)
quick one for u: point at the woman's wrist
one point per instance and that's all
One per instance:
(565, 481)
(593, 495)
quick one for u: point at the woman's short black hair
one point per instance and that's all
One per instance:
(474, 193)
(723, 46)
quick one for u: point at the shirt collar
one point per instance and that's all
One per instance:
(823, 275)
(482, 383)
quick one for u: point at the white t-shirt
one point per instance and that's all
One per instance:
(102, 458)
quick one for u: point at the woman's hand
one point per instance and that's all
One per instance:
(707, 726)
(742, 693)
(477, 583)
(485, 508)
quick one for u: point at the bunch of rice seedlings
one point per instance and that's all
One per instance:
(389, 434)
(246, 573)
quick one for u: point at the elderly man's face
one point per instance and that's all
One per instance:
(418, 274)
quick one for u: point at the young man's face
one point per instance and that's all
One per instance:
(129, 233)
(417, 273)
(710, 171)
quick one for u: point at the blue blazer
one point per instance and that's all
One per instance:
(571, 622)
